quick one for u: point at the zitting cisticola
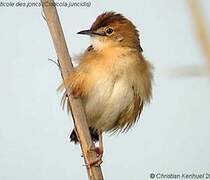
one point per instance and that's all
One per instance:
(113, 78)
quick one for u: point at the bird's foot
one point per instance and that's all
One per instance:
(98, 160)
(98, 150)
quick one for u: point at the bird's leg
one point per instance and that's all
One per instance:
(99, 150)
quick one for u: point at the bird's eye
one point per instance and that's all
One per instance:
(109, 31)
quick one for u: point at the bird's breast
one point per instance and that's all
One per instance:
(110, 77)
(107, 99)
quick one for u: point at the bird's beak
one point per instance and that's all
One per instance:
(85, 32)
(90, 33)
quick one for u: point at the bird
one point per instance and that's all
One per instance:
(113, 78)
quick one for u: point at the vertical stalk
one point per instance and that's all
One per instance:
(78, 114)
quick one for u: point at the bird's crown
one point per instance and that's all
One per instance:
(106, 19)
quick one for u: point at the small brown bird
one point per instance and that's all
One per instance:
(113, 78)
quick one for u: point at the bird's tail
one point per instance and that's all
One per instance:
(93, 133)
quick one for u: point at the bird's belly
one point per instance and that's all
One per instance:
(107, 101)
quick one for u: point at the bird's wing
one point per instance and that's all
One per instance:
(77, 85)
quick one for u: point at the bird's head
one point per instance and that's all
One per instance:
(111, 28)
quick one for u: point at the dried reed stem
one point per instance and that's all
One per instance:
(78, 114)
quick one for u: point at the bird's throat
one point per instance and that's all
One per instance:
(100, 43)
